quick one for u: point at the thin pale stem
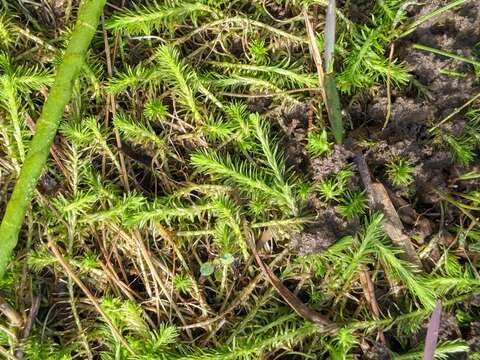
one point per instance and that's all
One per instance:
(47, 126)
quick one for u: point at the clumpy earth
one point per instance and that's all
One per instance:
(429, 98)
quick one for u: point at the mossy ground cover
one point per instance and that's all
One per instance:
(197, 202)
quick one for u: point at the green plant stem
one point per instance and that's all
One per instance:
(446, 54)
(422, 19)
(455, 112)
(333, 100)
(334, 108)
(47, 126)
(327, 85)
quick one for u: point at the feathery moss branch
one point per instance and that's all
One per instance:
(47, 126)
(155, 17)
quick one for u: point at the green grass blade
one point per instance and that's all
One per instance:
(446, 54)
(334, 110)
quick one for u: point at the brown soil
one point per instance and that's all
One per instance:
(413, 113)
(429, 98)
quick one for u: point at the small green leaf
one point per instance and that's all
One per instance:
(227, 259)
(207, 269)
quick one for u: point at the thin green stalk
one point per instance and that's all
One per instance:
(333, 99)
(334, 108)
(446, 54)
(47, 126)
(431, 15)
(455, 112)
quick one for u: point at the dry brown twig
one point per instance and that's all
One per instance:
(326, 79)
(10, 313)
(409, 216)
(241, 297)
(389, 87)
(369, 292)
(6, 354)
(27, 327)
(111, 109)
(393, 226)
(317, 58)
(169, 238)
(63, 262)
(159, 280)
(299, 307)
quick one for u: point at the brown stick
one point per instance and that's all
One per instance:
(111, 109)
(240, 299)
(27, 328)
(393, 226)
(170, 239)
(328, 88)
(299, 307)
(160, 280)
(389, 87)
(317, 58)
(6, 354)
(369, 292)
(12, 315)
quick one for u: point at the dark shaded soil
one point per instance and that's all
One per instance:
(376, 351)
(474, 336)
(322, 233)
(296, 124)
(6, 187)
(359, 10)
(328, 226)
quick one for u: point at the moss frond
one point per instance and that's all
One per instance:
(180, 76)
(156, 17)
(141, 134)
